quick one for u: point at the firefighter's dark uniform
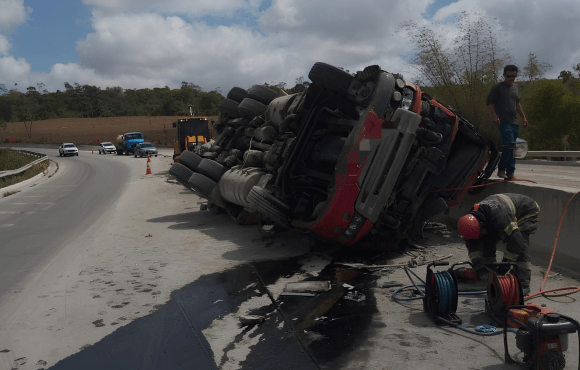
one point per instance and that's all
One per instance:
(510, 218)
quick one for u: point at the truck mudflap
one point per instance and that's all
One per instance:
(386, 164)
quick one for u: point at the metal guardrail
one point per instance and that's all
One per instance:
(549, 154)
(43, 157)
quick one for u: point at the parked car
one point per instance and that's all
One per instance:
(107, 147)
(68, 149)
(145, 149)
(351, 158)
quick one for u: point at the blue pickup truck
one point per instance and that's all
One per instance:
(126, 143)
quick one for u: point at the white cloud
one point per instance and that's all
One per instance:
(173, 50)
(14, 70)
(13, 13)
(4, 45)
(148, 43)
(548, 29)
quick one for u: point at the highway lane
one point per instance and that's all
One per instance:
(36, 223)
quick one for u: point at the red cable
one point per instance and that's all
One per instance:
(481, 186)
(542, 291)
(509, 290)
(572, 288)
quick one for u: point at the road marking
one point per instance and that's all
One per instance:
(16, 203)
(47, 207)
(6, 225)
(8, 212)
(29, 196)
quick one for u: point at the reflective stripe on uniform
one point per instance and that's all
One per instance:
(524, 265)
(509, 229)
(509, 203)
(510, 256)
(531, 214)
(475, 255)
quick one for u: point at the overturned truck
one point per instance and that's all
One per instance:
(364, 158)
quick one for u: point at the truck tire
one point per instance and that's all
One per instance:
(202, 184)
(119, 151)
(251, 108)
(267, 205)
(211, 169)
(190, 160)
(229, 107)
(330, 77)
(262, 94)
(181, 174)
(237, 94)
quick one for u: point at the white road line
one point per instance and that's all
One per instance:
(28, 196)
(47, 207)
(16, 203)
(6, 225)
(8, 212)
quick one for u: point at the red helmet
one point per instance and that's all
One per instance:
(470, 227)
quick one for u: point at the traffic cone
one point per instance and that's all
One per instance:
(92, 152)
(148, 158)
(148, 170)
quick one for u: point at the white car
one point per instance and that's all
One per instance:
(68, 149)
(107, 147)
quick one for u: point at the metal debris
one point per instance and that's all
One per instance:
(391, 284)
(355, 296)
(308, 286)
(302, 294)
(250, 320)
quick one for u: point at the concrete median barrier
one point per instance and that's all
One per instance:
(552, 202)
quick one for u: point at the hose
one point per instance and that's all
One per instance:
(448, 289)
(480, 186)
(422, 294)
(572, 289)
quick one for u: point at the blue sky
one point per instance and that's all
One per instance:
(54, 27)
(226, 43)
(51, 33)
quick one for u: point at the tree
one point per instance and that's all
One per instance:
(565, 76)
(3, 89)
(555, 112)
(460, 71)
(463, 69)
(535, 70)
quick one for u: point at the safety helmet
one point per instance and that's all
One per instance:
(470, 227)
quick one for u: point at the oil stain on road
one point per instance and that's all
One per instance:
(298, 333)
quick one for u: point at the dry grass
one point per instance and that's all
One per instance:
(11, 160)
(27, 174)
(85, 131)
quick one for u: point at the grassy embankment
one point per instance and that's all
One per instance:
(11, 160)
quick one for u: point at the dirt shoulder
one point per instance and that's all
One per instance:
(86, 131)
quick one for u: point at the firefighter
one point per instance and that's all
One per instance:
(510, 218)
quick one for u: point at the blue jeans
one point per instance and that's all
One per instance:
(509, 133)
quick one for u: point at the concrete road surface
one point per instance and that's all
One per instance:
(139, 278)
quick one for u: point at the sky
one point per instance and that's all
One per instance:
(227, 43)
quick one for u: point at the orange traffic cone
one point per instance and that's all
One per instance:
(92, 152)
(148, 170)
(148, 158)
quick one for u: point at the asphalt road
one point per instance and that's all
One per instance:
(122, 270)
(38, 222)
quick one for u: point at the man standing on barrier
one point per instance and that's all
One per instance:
(510, 218)
(503, 103)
